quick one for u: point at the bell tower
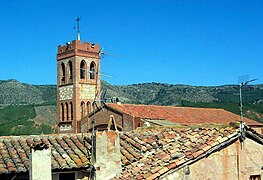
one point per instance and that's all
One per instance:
(78, 81)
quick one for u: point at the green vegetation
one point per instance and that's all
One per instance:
(16, 120)
(30, 109)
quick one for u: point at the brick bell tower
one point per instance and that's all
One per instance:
(78, 80)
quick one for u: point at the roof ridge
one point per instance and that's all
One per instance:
(44, 135)
(157, 105)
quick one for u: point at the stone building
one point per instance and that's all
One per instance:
(78, 80)
(131, 116)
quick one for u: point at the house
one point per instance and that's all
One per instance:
(192, 153)
(157, 152)
(69, 155)
(131, 116)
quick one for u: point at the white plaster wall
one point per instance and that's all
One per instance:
(40, 164)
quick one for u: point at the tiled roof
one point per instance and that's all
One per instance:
(181, 115)
(152, 153)
(68, 152)
(146, 152)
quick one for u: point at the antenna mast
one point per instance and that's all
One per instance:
(78, 29)
(241, 85)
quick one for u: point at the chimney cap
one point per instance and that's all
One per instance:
(38, 146)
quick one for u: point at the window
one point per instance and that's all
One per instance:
(82, 69)
(82, 108)
(67, 118)
(62, 73)
(88, 107)
(67, 176)
(71, 111)
(92, 70)
(62, 112)
(255, 177)
(69, 71)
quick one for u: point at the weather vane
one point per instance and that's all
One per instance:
(78, 29)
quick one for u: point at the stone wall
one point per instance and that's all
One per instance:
(65, 92)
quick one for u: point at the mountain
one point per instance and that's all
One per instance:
(14, 92)
(31, 109)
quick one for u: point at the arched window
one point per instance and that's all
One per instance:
(88, 107)
(62, 111)
(71, 111)
(82, 108)
(83, 69)
(67, 117)
(62, 73)
(94, 106)
(69, 71)
(92, 70)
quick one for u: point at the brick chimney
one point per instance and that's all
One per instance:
(108, 155)
(40, 162)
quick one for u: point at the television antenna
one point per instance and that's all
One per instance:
(99, 102)
(242, 82)
(102, 54)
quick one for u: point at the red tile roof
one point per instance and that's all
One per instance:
(146, 152)
(181, 115)
(68, 152)
(151, 153)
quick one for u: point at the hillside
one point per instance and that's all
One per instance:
(30, 109)
(14, 92)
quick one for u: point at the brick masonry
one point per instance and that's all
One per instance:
(75, 93)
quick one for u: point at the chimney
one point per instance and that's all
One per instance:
(40, 162)
(108, 155)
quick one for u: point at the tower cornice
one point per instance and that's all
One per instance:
(76, 48)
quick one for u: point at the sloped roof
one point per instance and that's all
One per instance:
(181, 115)
(145, 153)
(153, 152)
(68, 152)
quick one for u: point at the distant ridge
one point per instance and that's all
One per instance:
(15, 92)
(43, 98)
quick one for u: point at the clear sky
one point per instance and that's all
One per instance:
(195, 42)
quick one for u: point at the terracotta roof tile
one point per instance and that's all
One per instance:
(174, 147)
(67, 151)
(181, 115)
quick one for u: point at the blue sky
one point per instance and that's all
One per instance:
(179, 42)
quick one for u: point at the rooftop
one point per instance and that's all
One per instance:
(147, 152)
(151, 152)
(181, 115)
(68, 152)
